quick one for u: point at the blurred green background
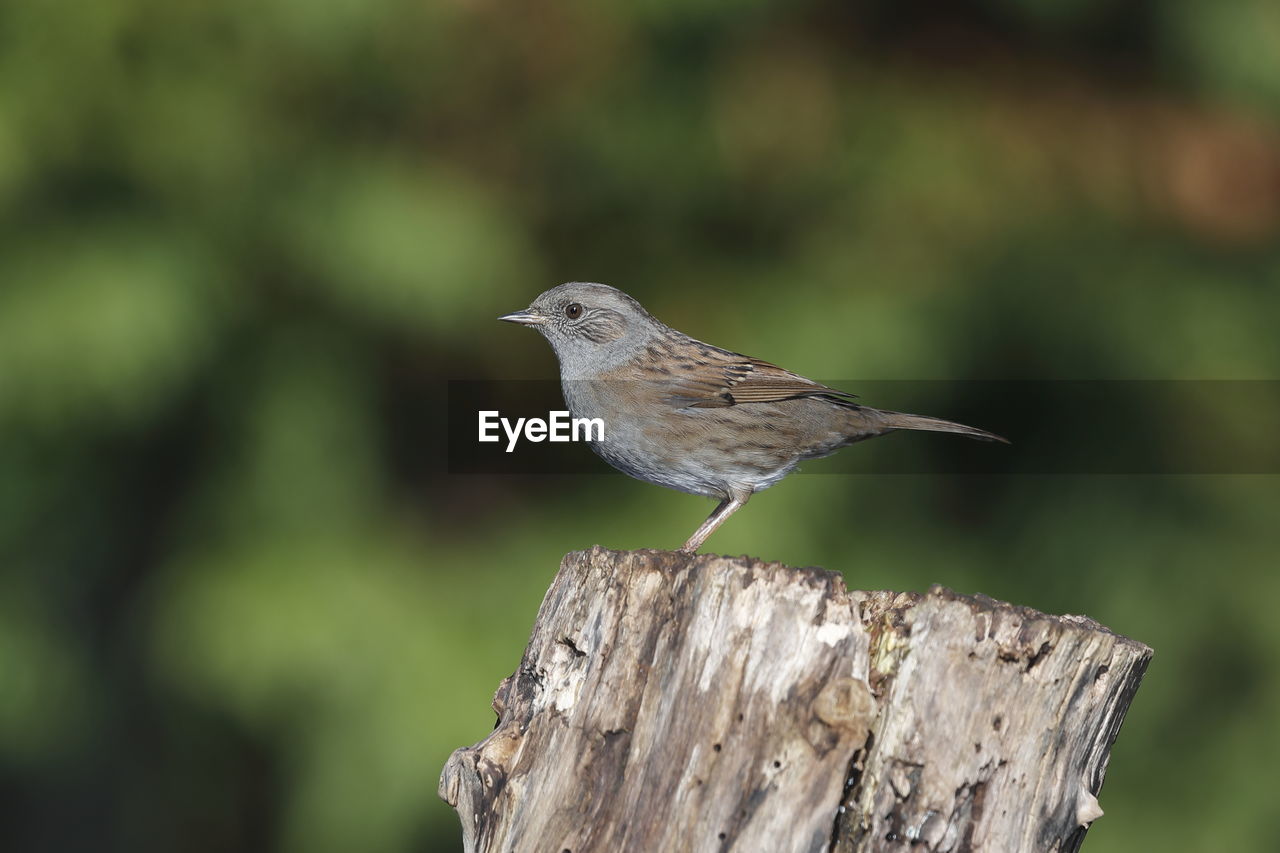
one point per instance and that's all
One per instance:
(245, 245)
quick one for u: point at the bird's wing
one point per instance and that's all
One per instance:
(717, 378)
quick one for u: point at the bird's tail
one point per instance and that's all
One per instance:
(900, 420)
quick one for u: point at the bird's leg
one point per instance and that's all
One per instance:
(726, 508)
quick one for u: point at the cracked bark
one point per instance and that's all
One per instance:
(669, 702)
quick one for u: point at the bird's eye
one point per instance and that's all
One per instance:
(573, 310)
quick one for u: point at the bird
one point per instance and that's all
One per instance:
(690, 416)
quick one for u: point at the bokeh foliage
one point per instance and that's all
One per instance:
(244, 245)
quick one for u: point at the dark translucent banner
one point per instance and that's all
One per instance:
(1056, 427)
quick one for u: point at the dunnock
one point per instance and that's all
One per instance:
(690, 416)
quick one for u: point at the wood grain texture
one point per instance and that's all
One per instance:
(676, 702)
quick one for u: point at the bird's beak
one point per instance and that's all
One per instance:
(524, 318)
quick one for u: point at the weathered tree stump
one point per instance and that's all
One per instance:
(668, 702)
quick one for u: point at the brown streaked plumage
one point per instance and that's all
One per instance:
(681, 413)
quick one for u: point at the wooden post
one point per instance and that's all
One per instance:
(668, 702)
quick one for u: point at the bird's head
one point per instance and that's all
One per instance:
(592, 327)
